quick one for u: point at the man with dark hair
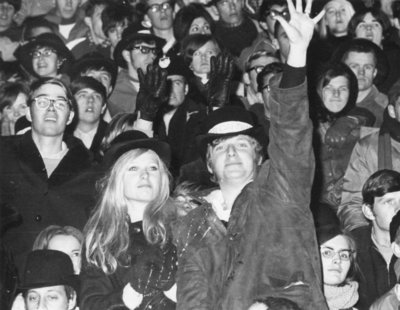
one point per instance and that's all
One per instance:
(234, 30)
(137, 49)
(362, 57)
(95, 40)
(381, 201)
(89, 127)
(43, 172)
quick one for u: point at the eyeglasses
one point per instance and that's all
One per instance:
(258, 69)
(344, 255)
(44, 102)
(274, 13)
(160, 7)
(45, 53)
(145, 49)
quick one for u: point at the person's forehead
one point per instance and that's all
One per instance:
(50, 90)
(279, 8)
(48, 289)
(360, 57)
(95, 72)
(87, 90)
(388, 196)
(144, 43)
(151, 2)
(333, 5)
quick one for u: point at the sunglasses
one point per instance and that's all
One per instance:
(145, 49)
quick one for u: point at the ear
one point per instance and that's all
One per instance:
(396, 249)
(28, 114)
(146, 21)
(103, 108)
(72, 302)
(70, 117)
(263, 26)
(88, 22)
(246, 78)
(209, 167)
(275, 44)
(375, 72)
(367, 211)
(127, 56)
(186, 89)
(391, 112)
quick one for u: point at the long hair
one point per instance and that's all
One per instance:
(323, 27)
(107, 231)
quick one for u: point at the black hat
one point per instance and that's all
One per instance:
(178, 67)
(15, 3)
(95, 60)
(133, 33)
(23, 53)
(327, 225)
(48, 268)
(382, 64)
(135, 139)
(82, 82)
(394, 227)
(228, 122)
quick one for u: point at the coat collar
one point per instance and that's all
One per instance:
(76, 159)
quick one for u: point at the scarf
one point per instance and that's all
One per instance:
(341, 297)
(390, 125)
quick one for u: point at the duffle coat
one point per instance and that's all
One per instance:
(269, 247)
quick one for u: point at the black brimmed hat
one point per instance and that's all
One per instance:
(135, 139)
(48, 268)
(228, 122)
(95, 60)
(24, 52)
(135, 32)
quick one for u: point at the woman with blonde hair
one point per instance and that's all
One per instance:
(336, 19)
(129, 259)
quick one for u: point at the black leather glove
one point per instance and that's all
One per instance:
(220, 80)
(337, 134)
(152, 93)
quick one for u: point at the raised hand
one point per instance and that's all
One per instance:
(152, 93)
(220, 80)
(299, 30)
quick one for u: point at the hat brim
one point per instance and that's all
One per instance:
(121, 46)
(162, 149)
(257, 133)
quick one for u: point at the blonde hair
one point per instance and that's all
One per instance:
(43, 238)
(107, 231)
(323, 27)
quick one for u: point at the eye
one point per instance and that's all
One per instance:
(76, 254)
(345, 255)
(326, 253)
(112, 30)
(153, 168)
(206, 27)
(33, 297)
(133, 168)
(194, 29)
(196, 54)
(52, 297)
(368, 67)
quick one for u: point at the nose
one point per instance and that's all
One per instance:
(232, 6)
(144, 174)
(51, 107)
(120, 29)
(361, 71)
(336, 92)
(231, 150)
(42, 304)
(69, 3)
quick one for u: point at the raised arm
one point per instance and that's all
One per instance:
(290, 148)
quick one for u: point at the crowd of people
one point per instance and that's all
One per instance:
(190, 155)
